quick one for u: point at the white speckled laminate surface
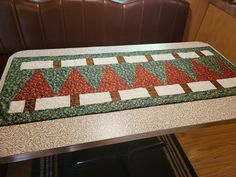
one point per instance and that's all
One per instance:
(41, 136)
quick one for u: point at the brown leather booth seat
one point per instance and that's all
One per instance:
(36, 24)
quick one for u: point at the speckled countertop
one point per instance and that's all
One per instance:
(25, 141)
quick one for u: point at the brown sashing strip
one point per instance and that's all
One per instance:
(29, 105)
(217, 84)
(74, 100)
(89, 61)
(217, 58)
(176, 55)
(149, 58)
(120, 59)
(199, 53)
(115, 96)
(152, 92)
(186, 88)
(56, 63)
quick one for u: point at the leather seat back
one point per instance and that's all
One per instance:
(36, 24)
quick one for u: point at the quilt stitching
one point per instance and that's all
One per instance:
(57, 92)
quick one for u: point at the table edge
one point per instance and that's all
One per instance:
(116, 140)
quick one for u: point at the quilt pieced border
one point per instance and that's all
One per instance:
(50, 87)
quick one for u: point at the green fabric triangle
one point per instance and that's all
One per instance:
(157, 69)
(16, 81)
(126, 72)
(56, 77)
(211, 63)
(186, 66)
(93, 74)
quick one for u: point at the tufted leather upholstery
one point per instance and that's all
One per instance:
(36, 24)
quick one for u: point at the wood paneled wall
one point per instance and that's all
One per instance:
(197, 12)
(219, 29)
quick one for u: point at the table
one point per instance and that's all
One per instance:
(36, 139)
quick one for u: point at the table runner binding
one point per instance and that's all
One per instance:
(50, 87)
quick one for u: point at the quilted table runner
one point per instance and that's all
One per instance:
(50, 87)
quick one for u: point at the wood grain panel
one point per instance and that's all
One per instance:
(212, 151)
(225, 5)
(196, 14)
(219, 30)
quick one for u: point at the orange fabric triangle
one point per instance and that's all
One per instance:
(143, 78)
(204, 73)
(227, 72)
(75, 84)
(176, 76)
(111, 81)
(36, 87)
